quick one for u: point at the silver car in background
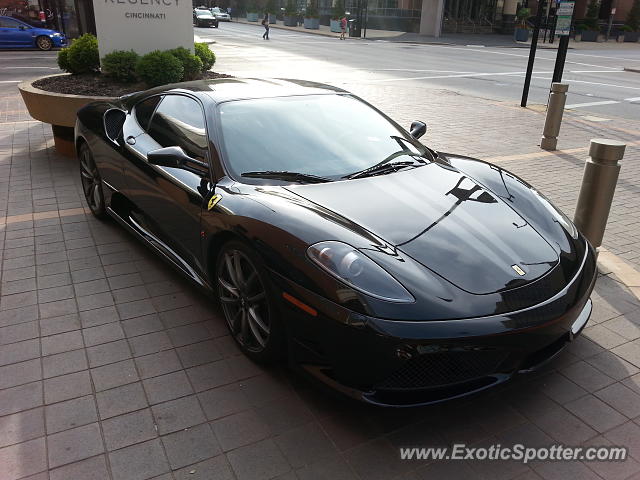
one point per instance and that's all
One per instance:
(220, 15)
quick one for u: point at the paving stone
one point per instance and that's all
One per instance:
(258, 461)
(62, 342)
(19, 352)
(159, 363)
(222, 401)
(210, 375)
(596, 413)
(217, 468)
(114, 375)
(167, 387)
(612, 365)
(135, 309)
(18, 315)
(23, 459)
(305, 445)
(20, 373)
(97, 300)
(130, 294)
(142, 325)
(87, 275)
(120, 400)
(20, 427)
(108, 353)
(139, 462)
(124, 281)
(91, 287)
(56, 293)
(99, 316)
(19, 286)
(189, 334)
(108, 332)
(73, 445)
(55, 280)
(190, 445)
(18, 333)
(20, 398)
(622, 399)
(94, 468)
(149, 343)
(199, 353)
(587, 376)
(336, 468)
(627, 435)
(240, 429)
(70, 414)
(64, 363)
(630, 352)
(128, 429)
(58, 309)
(178, 414)
(66, 387)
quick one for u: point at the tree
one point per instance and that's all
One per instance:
(338, 10)
(591, 18)
(633, 17)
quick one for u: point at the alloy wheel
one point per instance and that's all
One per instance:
(244, 300)
(44, 43)
(91, 183)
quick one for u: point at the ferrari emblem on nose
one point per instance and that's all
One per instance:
(213, 201)
(518, 270)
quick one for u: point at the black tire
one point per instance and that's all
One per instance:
(91, 182)
(44, 43)
(251, 312)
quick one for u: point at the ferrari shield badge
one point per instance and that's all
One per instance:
(518, 270)
(213, 201)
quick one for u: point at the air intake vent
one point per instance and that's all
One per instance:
(113, 121)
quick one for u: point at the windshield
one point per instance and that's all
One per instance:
(323, 135)
(203, 13)
(215, 10)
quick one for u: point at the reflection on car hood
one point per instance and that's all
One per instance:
(446, 221)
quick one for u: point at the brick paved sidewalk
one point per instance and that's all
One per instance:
(113, 367)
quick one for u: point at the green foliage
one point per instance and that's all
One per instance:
(206, 56)
(81, 56)
(590, 21)
(63, 59)
(121, 65)
(625, 28)
(290, 9)
(338, 10)
(252, 7)
(159, 68)
(271, 7)
(633, 17)
(191, 64)
(522, 15)
(312, 10)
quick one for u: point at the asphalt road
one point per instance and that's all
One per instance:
(598, 83)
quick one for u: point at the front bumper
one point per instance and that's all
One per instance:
(398, 363)
(59, 42)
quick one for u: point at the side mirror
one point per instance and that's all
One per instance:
(22, 27)
(175, 157)
(418, 129)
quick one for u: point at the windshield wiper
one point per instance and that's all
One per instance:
(382, 168)
(285, 175)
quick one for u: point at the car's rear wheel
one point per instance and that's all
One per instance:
(91, 182)
(246, 296)
(44, 43)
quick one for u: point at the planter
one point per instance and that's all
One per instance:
(290, 21)
(57, 109)
(589, 36)
(252, 17)
(312, 23)
(631, 36)
(272, 18)
(335, 26)
(521, 35)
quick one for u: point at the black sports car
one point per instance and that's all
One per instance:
(394, 273)
(202, 17)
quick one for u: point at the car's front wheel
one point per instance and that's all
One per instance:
(246, 296)
(44, 43)
(91, 182)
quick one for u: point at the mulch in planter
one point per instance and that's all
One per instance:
(98, 85)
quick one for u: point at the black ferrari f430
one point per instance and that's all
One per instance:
(394, 273)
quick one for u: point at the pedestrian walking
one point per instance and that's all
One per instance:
(265, 24)
(343, 27)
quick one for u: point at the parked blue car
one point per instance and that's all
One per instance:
(17, 34)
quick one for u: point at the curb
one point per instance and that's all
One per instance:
(203, 40)
(611, 263)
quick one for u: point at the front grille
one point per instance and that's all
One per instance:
(443, 368)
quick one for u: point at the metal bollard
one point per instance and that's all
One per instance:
(554, 116)
(598, 186)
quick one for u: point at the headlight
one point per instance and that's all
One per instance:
(56, 34)
(357, 270)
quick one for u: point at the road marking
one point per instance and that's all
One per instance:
(413, 70)
(634, 99)
(50, 68)
(591, 104)
(591, 83)
(462, 75)
(10, 81)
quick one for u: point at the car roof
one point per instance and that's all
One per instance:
(227, 89)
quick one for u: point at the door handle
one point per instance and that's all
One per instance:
(131, 140)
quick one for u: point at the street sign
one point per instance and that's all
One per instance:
(564, 15)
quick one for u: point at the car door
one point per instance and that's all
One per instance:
(14, 33)
(168, 201)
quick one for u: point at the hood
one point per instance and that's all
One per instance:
(45, 31)
(446, 221)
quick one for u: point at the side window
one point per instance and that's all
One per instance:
(145, 109)
(179, 122)
(8, 23)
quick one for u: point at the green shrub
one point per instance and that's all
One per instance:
(207, 57)
(312, 10)
(63, 59)
(159, 68)
(82, 55)
(121, 65)
(191, 65)
(625, 28)
(633, 17)
(590, 20)
(338, 10)
(290, 10)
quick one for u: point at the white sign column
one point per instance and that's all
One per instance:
(143, 25)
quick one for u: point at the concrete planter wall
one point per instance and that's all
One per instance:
(335, 26)
(290, 21)
(272, 18)
(57, 109)
(252, 17)
(312, 23)
(521, 35)
(631, 36)
(589, 36)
